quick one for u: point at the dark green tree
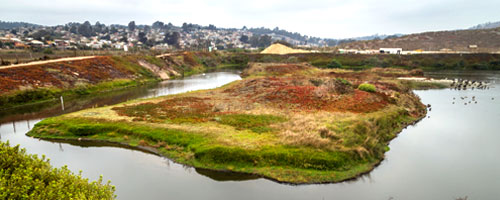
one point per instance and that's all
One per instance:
(158, 25)
(254, 40)
(147, 28)
(172, 38)
(42, 35)
(185, 27)
(142, 37)
(113, 30)
(85, 29)
(131, 25)
(244, 38)
(99, 28)
(73, 29)
(265, 41)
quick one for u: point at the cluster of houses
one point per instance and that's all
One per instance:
(122, 38)
(65, 40)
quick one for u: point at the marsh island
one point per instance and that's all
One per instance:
(290, 123)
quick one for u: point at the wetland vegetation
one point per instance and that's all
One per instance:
(291, 123)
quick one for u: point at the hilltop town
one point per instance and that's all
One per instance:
(158, 36)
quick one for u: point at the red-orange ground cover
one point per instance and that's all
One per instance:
(192, 109)
(63, 74)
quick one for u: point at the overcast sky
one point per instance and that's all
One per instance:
(321, 18)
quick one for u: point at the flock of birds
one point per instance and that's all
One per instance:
(463, 84)
(467, 100)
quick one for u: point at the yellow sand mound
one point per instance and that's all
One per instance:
(281, 49)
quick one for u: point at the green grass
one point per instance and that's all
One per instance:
(24, 176)
(75, 128)
(367, 87)
(256, 123)
(418, 85)
(200, 150)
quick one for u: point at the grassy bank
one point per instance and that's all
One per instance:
(24, 176)
(360, 61)
(34, 96)
(289, 123)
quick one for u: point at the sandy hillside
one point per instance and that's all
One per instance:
(281, 49)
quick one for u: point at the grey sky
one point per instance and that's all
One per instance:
(322, 18)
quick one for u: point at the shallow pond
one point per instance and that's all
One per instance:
(451, 153)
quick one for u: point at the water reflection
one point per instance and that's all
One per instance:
(226, 176)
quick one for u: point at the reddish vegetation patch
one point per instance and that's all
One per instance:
(301, 96)
(181, 109)
(63, 74)
(283, 69)
(299, 93)
(360, 101)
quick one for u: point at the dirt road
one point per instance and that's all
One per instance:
(47, 61)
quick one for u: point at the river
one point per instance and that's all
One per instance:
(452, 153)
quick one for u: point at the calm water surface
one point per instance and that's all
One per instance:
(452, 153)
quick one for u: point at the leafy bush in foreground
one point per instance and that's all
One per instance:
(367, 87)
(24, 176)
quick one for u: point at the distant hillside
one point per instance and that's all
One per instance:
(485, 39)
(11, 25)
(376, 37)
(486, 25)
